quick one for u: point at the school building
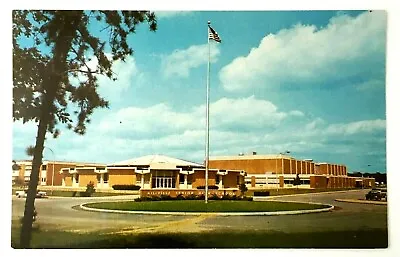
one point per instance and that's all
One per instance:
(49, 173)
(163, 175)
(156, 175)
(280, 171)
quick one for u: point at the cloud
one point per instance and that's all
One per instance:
(181, 61)
(171, 14)
(237, 125)
(126, 72)
(366, 126)
(304, 54)
(244, 114)
(372, 84)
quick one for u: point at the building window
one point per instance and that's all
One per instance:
(105, 178)
(216, 179)
(181, 178)
(189, 179)
(77, 178)
(305, 181)
(44, 167)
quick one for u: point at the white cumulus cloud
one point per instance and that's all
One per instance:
(181, 61)
(347, 46)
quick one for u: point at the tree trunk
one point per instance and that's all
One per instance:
(56, 71)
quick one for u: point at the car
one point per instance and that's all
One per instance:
(21, 193)
(24, 193)
(41, 194)
(376, 194)
(384, 193)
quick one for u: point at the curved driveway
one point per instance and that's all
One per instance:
(57, 213)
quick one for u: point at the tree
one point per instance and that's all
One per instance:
(297, 181)
(242, 188)
(52, 76)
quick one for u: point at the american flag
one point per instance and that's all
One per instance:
(212, 34)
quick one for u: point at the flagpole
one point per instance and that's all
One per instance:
(207, 113)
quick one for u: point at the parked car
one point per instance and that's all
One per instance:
(24, 193)
(376, 194)
(384, 193)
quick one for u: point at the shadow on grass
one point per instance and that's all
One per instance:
(373, 238)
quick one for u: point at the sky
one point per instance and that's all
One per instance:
(308, 82)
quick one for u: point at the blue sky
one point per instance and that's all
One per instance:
(311, 82)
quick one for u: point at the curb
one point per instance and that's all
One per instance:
(331, 207)
(360, 201)
(318, 193)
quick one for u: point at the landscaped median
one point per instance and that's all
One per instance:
(198, 207)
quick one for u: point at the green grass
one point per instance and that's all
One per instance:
(201, 206)
(373, 238)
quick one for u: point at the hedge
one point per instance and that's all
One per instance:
(126, 187)
(261, 193)
(209, 187)
(191, 197)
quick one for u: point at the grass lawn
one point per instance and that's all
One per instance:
(201, 206)
(373, 238)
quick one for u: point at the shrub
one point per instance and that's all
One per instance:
(209, 187)
(89, 189)
(200, 197)
(190, 197)
(243, 188)
(126, 187)
(261, 193)
(142, 199)
(155, 198)
(214, 197)
(226, 197)
(166, 197)
(180, 197)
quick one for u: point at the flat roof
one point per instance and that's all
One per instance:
(29, 162)
(250, 157)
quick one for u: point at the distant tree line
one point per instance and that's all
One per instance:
(379, 177)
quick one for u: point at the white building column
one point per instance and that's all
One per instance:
(73, 180)
(185, 185)
(141, 180)
(101, 180)
(220, 184)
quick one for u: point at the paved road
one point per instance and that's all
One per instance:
(58, 213)
(348, 216)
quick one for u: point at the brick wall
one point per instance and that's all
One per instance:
(121, 177)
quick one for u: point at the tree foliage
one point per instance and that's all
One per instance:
(57, 58)
(242, 188)
(297, 181)
(35, 35)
